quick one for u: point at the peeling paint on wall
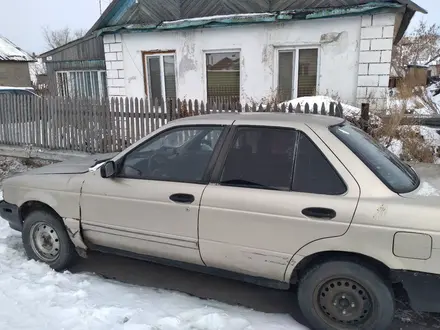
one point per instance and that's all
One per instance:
(188, 61)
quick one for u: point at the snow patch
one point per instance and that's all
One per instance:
(32, 296)
(426, 189)
(348, 110)
(396, 147)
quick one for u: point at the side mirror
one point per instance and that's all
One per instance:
(108, 170)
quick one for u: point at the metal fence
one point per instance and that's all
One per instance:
(99, 126)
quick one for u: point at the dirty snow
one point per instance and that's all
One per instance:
(217, 17)
(10, 166)
(32, 296)
(426, 189)
(396, 147)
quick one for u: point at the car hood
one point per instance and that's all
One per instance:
(75, 165)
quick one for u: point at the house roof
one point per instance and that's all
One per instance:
(10, 52)
(68, 45)
(154, 12)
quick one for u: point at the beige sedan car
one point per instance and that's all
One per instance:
(273, 199)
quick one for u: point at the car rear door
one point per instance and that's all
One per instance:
(276, 190)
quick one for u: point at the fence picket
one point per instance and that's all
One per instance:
(332, 109)
(132, 129)
(138, 119)
(159, 105)
(110, 125)
(123, 120)
(141, 118)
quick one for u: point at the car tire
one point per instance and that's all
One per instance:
(45, 239)
(345, 295)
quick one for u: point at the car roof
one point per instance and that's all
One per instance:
(261, 117)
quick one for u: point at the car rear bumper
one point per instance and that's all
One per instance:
(422, 290)
(9, 212)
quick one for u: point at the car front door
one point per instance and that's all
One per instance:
(277, 190)
(151, 206)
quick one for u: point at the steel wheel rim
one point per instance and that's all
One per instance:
(343, 302)
(45, 242)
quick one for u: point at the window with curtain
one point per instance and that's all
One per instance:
(297, 73)
(82, 84)
(223, 76)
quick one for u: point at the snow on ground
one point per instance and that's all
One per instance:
(426, 189)
(32, 296)
(348, 110)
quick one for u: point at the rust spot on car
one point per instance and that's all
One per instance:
(381, 211)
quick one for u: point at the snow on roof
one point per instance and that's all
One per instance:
(10, 52)
(16, 88)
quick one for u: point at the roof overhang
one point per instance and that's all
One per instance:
(107, 23)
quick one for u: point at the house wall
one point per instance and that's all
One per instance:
(338, 40)
(87, 54)
(376, 44)
(15, 74)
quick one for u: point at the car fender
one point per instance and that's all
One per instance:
(347, 244)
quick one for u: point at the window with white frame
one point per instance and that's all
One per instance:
(223, 76)
(160, 76)
(297, 73)
(82, 84)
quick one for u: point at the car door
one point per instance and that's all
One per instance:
(278, 189)
(151, 206)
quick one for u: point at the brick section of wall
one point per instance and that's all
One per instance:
(376, 44)
(114, 61)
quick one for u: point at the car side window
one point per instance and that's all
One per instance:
(180, 154)
(313, 172)
(260, 157)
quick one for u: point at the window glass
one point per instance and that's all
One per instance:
(81, 84)
(313, 172)
(260, 158)
(285, 76)
(307, 72)
(181, 155)
(397, 175)
(170, 77)
(297, 73)
(155, 78)
(223, 77)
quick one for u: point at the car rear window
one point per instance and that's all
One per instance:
(397, 175)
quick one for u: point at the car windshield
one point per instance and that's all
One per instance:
(397, 175)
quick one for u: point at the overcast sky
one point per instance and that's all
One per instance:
(22, 21)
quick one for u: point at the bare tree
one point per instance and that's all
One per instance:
(57, 38)
(422, 46)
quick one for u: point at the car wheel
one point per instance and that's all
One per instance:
(345, 295)
(45, 239)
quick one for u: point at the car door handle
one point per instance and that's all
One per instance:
(182, 198)
(319, 213)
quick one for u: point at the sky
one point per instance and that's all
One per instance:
(22, 21)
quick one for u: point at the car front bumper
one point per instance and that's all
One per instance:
(422, 290)
(9, 212)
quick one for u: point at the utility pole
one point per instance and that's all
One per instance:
(100, 7)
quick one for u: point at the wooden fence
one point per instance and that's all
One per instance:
(109, 125)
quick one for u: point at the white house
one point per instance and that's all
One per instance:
(252, 50)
